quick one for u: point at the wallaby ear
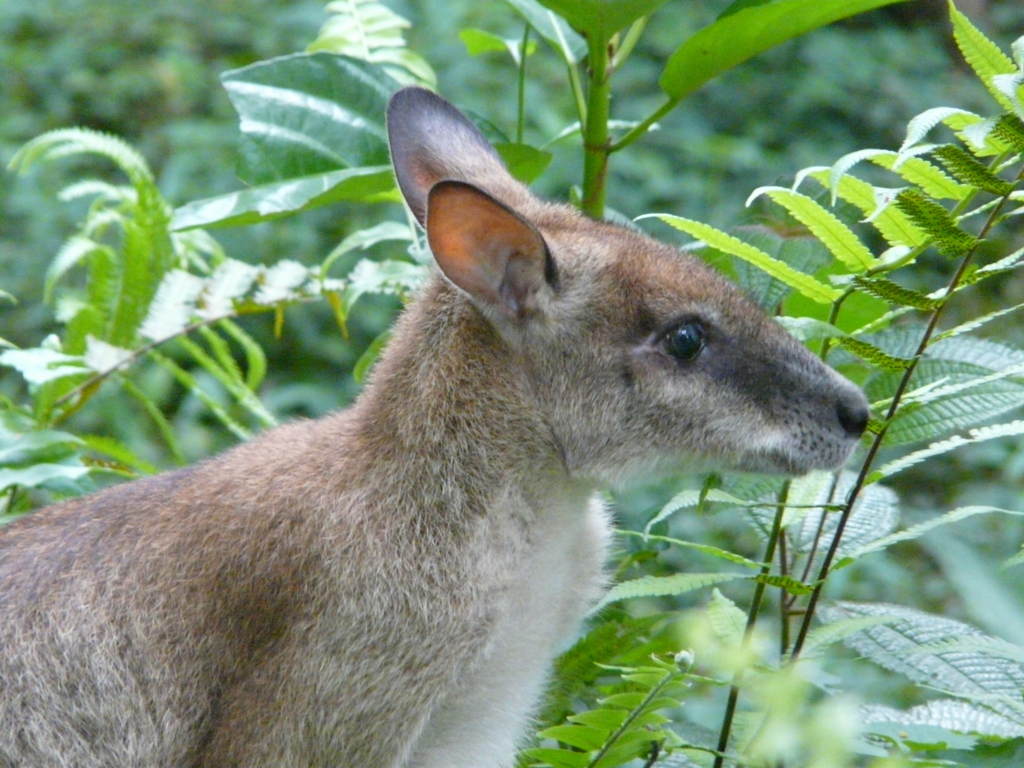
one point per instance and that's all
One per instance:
(432, 141)
(488, 250)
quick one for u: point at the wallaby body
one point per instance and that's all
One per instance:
(387, 586)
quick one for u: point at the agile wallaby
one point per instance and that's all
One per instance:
(386, 587)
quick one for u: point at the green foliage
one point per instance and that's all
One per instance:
(143, 293)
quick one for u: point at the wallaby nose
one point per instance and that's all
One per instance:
(853, 414)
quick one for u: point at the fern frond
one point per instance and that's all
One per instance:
(983, 56)
(932, 218)
(836, 236)
(979, 435)
(887, 290)
(368, 30)
(67, 142)
(916, 531)
(966, 169)
(716, 238)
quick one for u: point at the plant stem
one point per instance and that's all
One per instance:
(748, 632)
(595, 130)
(629, 42)
(641, 128)
(876, 444)
(521, 116)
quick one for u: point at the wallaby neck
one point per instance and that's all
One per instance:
(435, 414)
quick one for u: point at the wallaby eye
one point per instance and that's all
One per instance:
(684, 342)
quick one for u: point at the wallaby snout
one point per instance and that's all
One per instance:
(388, 586)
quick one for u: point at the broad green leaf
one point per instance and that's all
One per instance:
(283, 198)
(982, 54)
(552, 28)
(661, 586)
(309, 114)
(479, 41)
(805, 284)
(600, 19)
(839, 238)
(524, 162)
(833, 632)
(369, 356)
(558, 758)
(585, 737)
(950, 714)
(896, 646)
(38, 475)
(737, 37)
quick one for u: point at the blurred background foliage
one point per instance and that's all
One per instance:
(148, 72)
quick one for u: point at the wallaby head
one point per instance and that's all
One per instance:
(636, 354)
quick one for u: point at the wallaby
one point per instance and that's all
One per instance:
(387, 587)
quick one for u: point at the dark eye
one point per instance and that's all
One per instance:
(684, 342)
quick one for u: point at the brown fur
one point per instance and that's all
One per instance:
(387, 586)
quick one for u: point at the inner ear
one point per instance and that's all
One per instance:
(488, 250)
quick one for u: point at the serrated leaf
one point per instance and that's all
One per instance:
(945, 446)
(833, 632)
(916, 531)
(894, 293)
(932, 181)
(805, 284)
(966, 169)
(915, 422)
(836, 236)
(663, 586)
(950, 714)
(900, 647)
(726, 620)
(921, 125)
(788, 583)
(981, 54)
(172, 308)
(1010, 130)
(936, 221)
(873, 355)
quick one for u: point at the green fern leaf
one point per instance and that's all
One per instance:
(788, 583)
(836, 236)
(945, 446)
(368, 30)
(966, 169)
(931, 217)
(916, 531)
(923, 174)
(873, 355)
(66, 142)
(1010, 130)
(981, 54)
(894, 293)
(890, 222)
(978, 322)
(805, 284)
(662, 586)
(922, 124)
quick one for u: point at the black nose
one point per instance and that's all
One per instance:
(853, 416)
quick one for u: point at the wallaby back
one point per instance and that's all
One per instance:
(388, 586)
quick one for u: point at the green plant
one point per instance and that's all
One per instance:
(159, 289)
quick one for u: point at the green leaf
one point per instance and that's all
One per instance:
(839, 238)
(949, 714)
(524, 162)
(872, 354)
(600, 19)
(833, 632)
(931, 217)
(982, 54)
(726, 620)
(805, 284)
(309, 114)
(363, 239)
(558, 758)
(1009, 754)
(890, 222)
(958, 411)
(894, 293)
(916, 531)
(923, 174)
(734, 38)
(369, 356)
(553, 29)
(662, 586)
(284, 198)
(788, 583)
(982, 434)
(968, 170)
(479, 41)
(38, 475)
(368, 30)
(1010, 129)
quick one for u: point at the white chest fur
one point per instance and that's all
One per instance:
(482, 722)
